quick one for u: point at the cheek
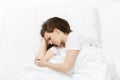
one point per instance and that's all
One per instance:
(57, 39)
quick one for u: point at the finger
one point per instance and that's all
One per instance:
(38, 58)
(36, 61)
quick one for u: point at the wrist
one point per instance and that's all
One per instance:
(46, 63)
(44, 41)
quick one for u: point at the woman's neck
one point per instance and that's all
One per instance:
(65, 37)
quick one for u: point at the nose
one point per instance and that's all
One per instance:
(50, 42)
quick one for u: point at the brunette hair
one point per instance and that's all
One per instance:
(55, 22)
(52, 23)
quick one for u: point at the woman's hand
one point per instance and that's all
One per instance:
(43, 50)
(38, 57)
(40, 63)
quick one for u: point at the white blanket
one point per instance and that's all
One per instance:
(91, 64)
(33, 72)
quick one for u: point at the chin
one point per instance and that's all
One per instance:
(57, 45)
(61, 45)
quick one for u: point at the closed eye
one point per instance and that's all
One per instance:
(49, 40)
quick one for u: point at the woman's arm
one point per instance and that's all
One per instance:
(44, 54)
(43, 50)
(49, 54)
(66, 66)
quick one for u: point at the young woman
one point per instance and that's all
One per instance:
(66, 55)
(55, 31)
(82, 60)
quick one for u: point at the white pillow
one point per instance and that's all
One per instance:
(1, 24)
(80, 18)
(20, 37)
(109, 13)
(21, 34)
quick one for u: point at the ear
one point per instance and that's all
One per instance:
(56, 30)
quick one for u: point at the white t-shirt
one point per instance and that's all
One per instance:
(91, 63)
(75, 41)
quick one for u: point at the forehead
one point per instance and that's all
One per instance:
(46, 35)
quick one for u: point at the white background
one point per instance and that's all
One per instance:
(20, 23)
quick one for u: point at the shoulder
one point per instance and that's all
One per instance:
(75, 34)
(74, 41)
(75, 37)
(57, 50)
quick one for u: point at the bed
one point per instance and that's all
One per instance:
(20, 26)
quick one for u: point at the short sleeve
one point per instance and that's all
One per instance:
(74, 41)
(54, 49)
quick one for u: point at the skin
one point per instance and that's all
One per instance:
(44, 54)
(58, 38)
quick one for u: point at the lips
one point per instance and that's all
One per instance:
(55, 44)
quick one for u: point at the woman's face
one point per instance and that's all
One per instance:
(54, 38)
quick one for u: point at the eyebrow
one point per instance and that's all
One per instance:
(47, 38)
